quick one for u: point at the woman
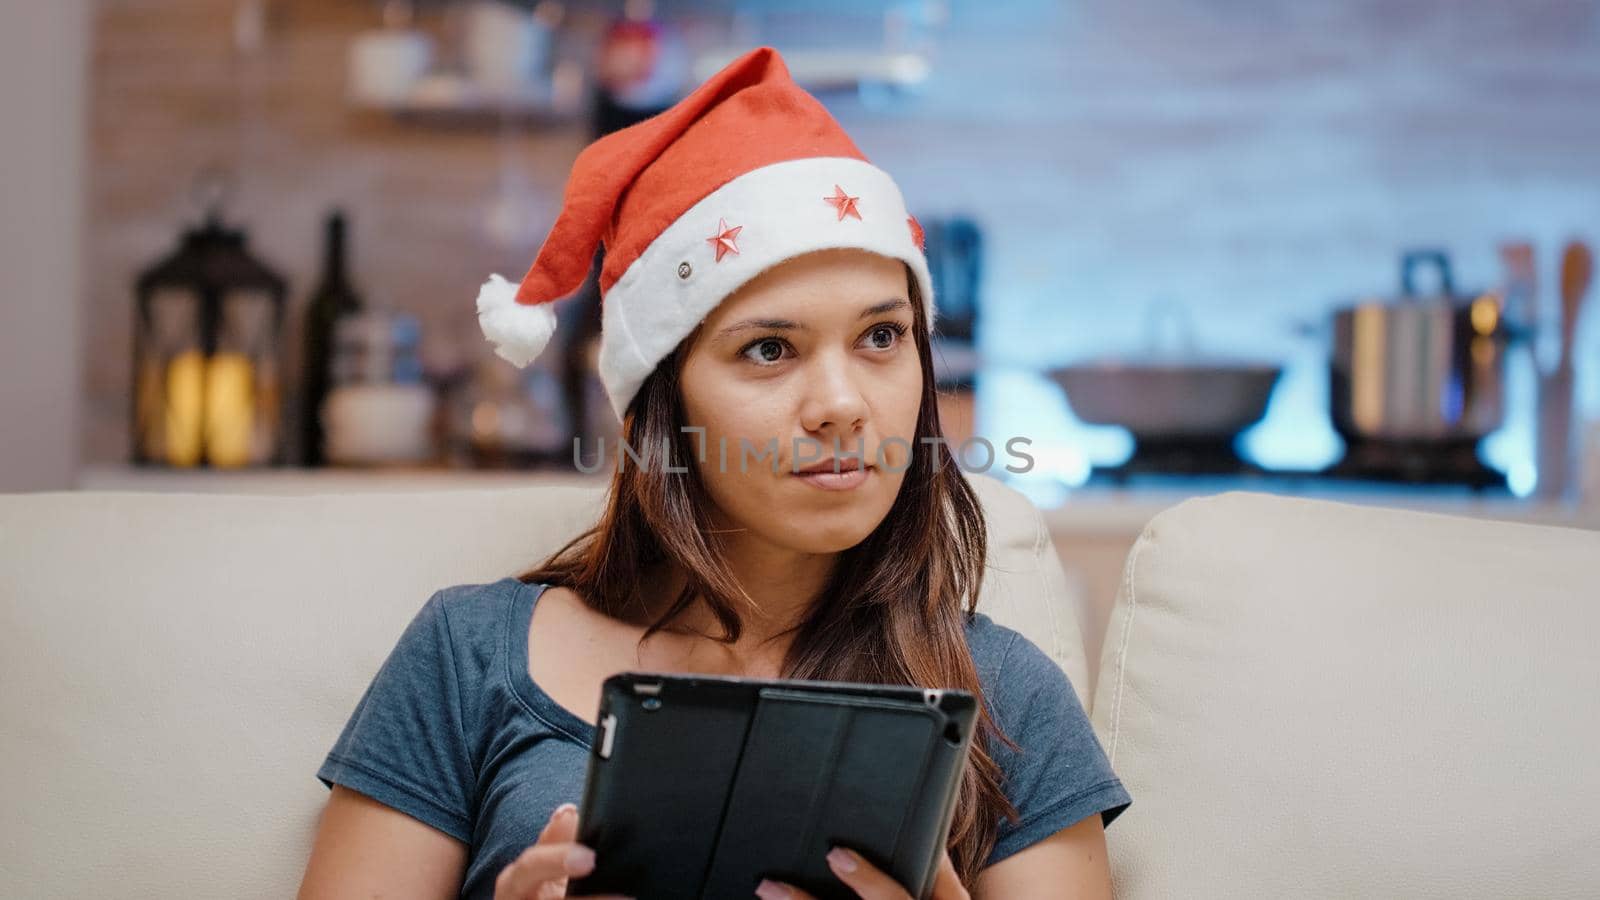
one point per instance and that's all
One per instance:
(755, 328)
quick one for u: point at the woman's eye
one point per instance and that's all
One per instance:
(883, 337)
(764, 352)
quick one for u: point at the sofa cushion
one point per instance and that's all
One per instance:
(1313, 699)
(173, 668)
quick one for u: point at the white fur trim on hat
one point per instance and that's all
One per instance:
(519, 331)
(783, 214)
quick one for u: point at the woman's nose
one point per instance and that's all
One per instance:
(834, 403)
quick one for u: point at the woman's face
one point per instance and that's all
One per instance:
(816, 350)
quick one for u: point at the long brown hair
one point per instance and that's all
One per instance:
(904, 593)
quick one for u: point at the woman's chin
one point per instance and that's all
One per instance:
(831, 530)
(832, 542)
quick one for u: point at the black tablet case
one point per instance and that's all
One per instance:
(706, 784)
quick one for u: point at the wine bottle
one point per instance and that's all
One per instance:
(334, 299)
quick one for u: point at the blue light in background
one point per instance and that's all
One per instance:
(1512, 449)
(1021, 403)
(1296, 433)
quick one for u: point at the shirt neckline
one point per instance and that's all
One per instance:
(533, 696)
(542, 704)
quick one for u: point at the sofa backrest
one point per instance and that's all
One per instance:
(1312, 699)
(174, 667)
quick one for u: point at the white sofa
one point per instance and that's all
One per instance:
(1313, 699)
(1304, 698)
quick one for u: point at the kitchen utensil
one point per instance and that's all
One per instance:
(1556, 453)
(1165, 400)
(1421, 367)
(507, 49)
(385, 64)
(1170, 393)
(380, 409)
(377, 423)
(1577, 270)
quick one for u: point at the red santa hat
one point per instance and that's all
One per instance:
(745, 172)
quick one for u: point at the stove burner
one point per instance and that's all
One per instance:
(1421, 462)
(1195, 455)
(1445, 463)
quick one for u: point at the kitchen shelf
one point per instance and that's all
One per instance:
(832, 70)
(477, 115)
(452, 100)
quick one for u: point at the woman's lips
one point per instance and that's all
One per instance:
(829, 480)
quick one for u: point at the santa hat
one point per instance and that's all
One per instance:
(745, 172)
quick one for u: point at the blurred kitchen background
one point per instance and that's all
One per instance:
(1181, 246)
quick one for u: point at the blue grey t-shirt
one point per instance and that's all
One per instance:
(453, 731)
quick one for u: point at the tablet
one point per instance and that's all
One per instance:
(699, 786)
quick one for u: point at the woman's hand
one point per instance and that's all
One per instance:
(541, 872)
(868, 882)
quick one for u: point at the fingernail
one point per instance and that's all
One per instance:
(580, 860)
(568, 810)
(771, 890)
(842, 859)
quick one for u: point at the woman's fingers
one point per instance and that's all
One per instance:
(562, 826)
(868, 881)
(541, 863)
(777, 890)
(542, 870)
(863, 877)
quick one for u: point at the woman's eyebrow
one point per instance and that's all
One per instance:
(762, 324)
(791, 325)
(886, 306)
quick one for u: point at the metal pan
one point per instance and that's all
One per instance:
(1170, 392)
(1167, 400)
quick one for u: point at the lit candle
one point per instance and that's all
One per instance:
(184, 398)
(229, 410)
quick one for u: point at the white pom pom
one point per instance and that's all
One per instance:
(519, 331)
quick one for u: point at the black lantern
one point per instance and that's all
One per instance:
(207, 353)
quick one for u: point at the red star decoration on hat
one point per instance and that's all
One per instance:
(724, 238)
(845, 205)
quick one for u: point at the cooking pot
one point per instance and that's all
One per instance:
(1419, 368)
